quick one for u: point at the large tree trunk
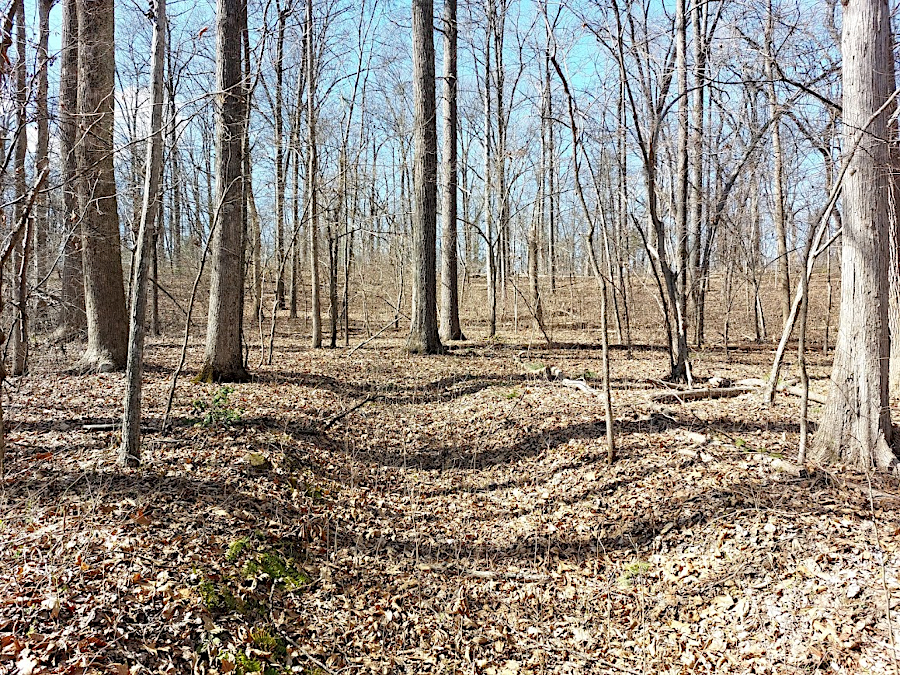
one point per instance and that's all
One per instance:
(450, 328)
(224, 358)
(72, 317)
(423, 332)
(130, 450)
(104, 292)
(855, 425)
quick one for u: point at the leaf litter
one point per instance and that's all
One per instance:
(462, 520)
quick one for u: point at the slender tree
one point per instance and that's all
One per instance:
(130, 451)
(312, 175)
(20, 257)
(43, 137)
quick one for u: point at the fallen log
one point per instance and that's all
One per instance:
(580, 385)
(702, 393)
(785, 388)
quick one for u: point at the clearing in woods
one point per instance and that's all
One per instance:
(463, 519)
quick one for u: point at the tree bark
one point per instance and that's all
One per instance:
(423, 332)
(855, 425)
(280, 252)
(104, 292)
(450, 326)
(312, 182)
(72, 318)
(130, 450)
(20, 258)
(41, 223)
(223, 360)
(778, 214)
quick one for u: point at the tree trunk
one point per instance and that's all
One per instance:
(104, 292)
(130, 450)
(20, 259)
(681, 158)
(778, 215)
(312, 182)
(72, 318)
(41, 221)
(223, 360)
(450, 327)
(855, 425)
(280, 253)
(423, 332)
(488, 186)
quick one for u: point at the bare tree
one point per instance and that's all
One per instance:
(312, 175)
(450, 326)
(223, 361)
(423, 333)
(104, 292)
(72, 317)
(855, 425)
(130, 451)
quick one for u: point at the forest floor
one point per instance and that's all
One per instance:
(462, 520)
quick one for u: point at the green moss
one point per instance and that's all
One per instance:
(236, 548)
(633, 572)
(217, 597)
(277, 568)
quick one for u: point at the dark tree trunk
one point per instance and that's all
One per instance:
(423, 334)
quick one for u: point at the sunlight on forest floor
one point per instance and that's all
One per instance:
(462, 520)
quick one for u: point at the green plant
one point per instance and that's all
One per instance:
(278, 569)
(216, 412)
(217, 597)
(236, 548)
(632, 572)
(265, 641)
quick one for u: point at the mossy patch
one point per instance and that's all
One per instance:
(279, 569)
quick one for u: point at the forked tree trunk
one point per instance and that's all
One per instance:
(423, 332)
(223, 360)
(104, 291)
(450, 327)
(855, 425)
(130, 450)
